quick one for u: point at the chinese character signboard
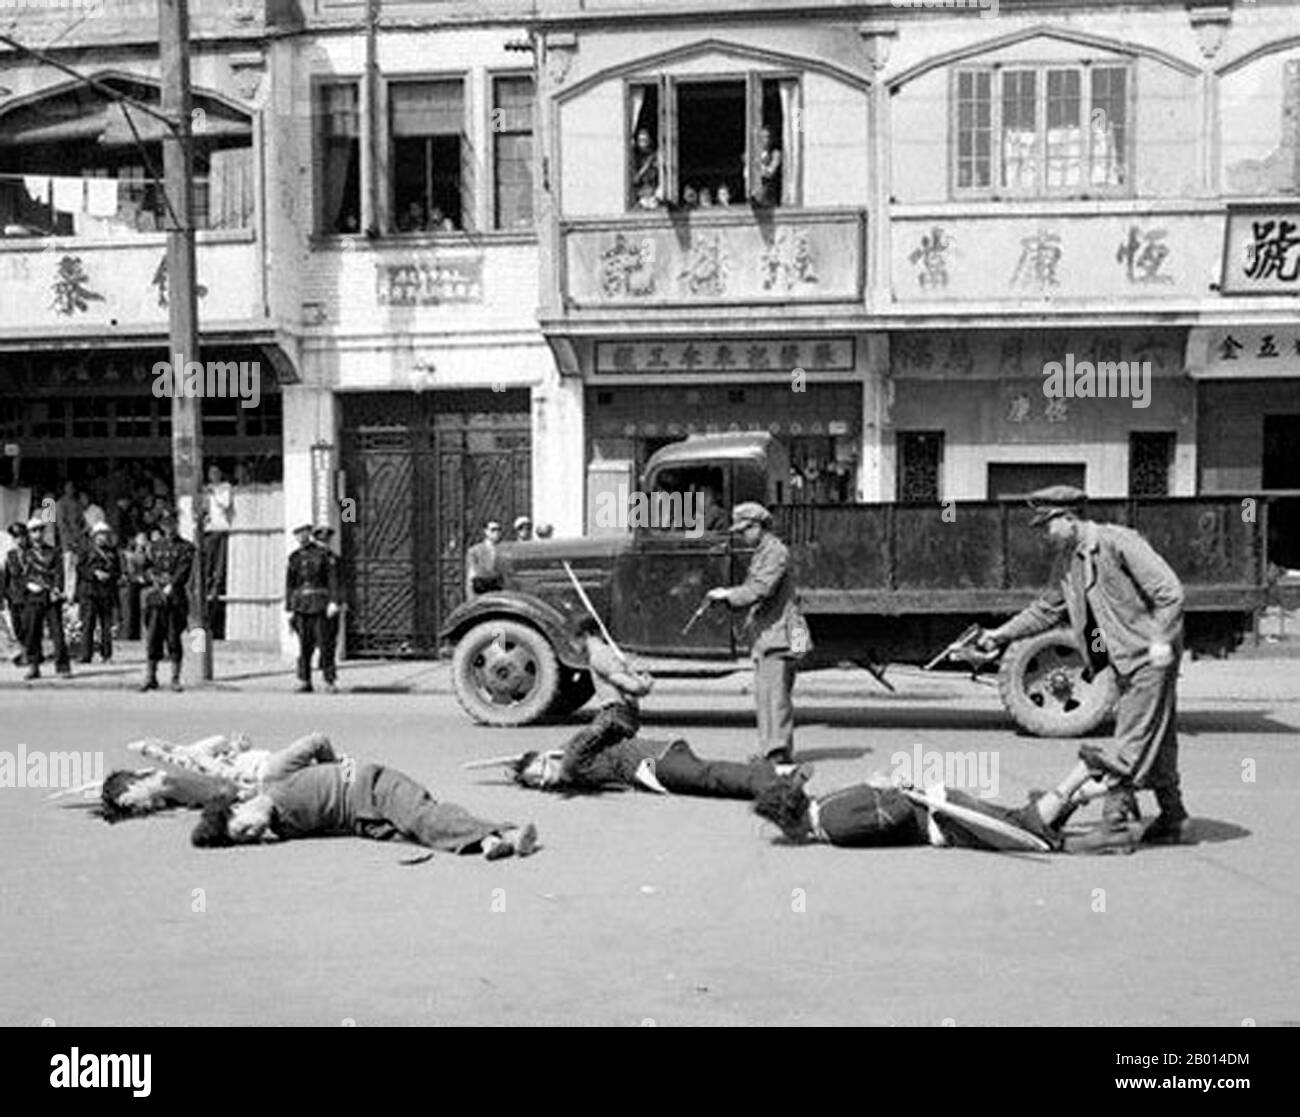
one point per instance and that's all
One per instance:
(723, 258)
(1261, 252)
(783, 355)
(430, 282)
(1244, 352)
(1059, 257)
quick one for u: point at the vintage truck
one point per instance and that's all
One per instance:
(880, 584)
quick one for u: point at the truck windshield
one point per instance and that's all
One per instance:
(687, 499)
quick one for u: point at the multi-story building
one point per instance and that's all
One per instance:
(966, 199)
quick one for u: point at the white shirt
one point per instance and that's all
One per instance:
(221, 506)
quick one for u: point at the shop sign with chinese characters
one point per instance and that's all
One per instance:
(1245, 353)
(752, 357)
(1064, 256)
(1261, 254)
(430, 282)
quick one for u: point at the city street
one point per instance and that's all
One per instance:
(641, 909)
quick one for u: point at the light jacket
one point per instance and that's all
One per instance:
(1136, 598)
(769, 592)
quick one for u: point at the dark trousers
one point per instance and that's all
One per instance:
(683, 773)
(38, 615)
(393, 805)
(96, 612)
(216, 546)
(615, 722)
(164, 625)
(130, 619)
(315, 630)
(1146, 733)
(18, 619)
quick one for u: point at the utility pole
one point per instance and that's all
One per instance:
(182, 299)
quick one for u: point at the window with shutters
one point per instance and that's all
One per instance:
(512, 152)
(431, 159)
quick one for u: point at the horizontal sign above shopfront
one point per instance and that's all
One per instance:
(731, 355)
(1244, 353)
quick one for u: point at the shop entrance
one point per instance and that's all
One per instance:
(424, 473)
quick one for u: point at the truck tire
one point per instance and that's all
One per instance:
(505, 673)
(575, 691)
(1041, 681)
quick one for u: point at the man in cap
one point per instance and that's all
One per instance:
(13, 589)
(1124, 602)
(168, 563)
(779, 631)
(311, 594)
(523, 529)
(321, 536)
(99, 571)
(42, 574)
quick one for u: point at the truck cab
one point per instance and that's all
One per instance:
(682, 546)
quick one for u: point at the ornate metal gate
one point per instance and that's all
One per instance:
(426, 472)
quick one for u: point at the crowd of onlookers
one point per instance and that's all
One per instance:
(98, 538)
(648, 187)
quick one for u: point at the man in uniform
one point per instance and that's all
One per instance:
(42, 574)
(321, 535)
(769, 594)
(311, 595)
(167, 567)
(99, 572)
(14, 588)
(1116, 585)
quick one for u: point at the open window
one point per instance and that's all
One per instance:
(689, 499)
(714, 142)
(431, 161)
(84, 163)
(338, 139)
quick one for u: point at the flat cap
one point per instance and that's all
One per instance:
(749, 512)
(322, 531)
(101, 528)
(1055, 500)
(35, 523)
(303, 528)
(521, 520)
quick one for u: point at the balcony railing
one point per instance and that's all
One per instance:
(733, 256)
(106, 208)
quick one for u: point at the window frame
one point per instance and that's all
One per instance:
(667, 85)
(490, 102)
(1042, 191)
(469, 218)
(317, 85)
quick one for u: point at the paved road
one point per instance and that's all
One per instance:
(640, 908)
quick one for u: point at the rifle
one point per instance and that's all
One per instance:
(963, 649)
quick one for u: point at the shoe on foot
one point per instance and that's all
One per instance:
(303, 688)
(799, 773)
(526, 844)
(33, 673)
(331, 688)
(149, 684)
(64, 672)
(1169, 829)
(496, 848)
(176, 686)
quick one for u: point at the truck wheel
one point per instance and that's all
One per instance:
(1042, 684)
(505, 673)
(575, 691)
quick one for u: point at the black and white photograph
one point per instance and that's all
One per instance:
(651, 513)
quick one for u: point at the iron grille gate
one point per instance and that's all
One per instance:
(426, 472)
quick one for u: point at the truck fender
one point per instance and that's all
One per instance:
(522, 607)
